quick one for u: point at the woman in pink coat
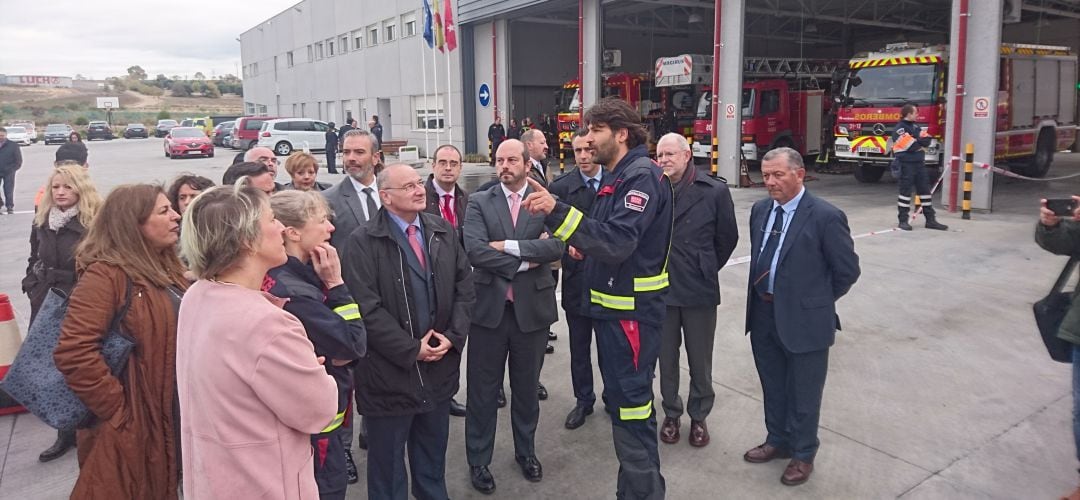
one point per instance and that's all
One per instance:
(251, 390)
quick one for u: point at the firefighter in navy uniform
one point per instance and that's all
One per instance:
(335, 328)
(626, 239)
(909, 141)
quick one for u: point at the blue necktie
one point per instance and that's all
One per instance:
(764, 261)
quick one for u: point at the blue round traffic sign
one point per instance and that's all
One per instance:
(484, 95)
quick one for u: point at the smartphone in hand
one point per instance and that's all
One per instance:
(1062, 207)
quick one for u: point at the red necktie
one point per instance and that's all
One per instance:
(448, 210)
(414, 242)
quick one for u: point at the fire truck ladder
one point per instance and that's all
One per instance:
(787, 67)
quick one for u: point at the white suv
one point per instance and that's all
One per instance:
(287, 134)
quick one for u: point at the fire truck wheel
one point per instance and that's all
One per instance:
(869, 173)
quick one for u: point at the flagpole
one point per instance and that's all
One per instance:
(435, 77)
(427, 130)
(449, 101)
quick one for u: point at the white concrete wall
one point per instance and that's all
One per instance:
(389, 70)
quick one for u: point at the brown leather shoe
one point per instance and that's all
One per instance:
(669, 432)
(797, 472)
(765, 453)
(699, 433)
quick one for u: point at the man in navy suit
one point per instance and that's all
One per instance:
(802, 260)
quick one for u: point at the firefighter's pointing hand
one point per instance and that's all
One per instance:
(540, 200)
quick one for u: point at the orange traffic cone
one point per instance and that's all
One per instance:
(10, 341)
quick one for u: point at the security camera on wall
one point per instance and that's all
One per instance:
(1010, 12)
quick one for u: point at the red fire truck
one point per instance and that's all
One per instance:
(1036, 111)
(635, 89)
(784, 102)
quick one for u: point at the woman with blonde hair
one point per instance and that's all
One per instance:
(68, 206)
(303, 168)
(311, 281)
(128, 258)
(252, 390)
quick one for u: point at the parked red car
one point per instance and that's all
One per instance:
(188, 141)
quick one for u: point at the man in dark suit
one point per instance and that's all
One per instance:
(536, 146)
(578, 187)
(446, 199)
(704, 235)
(802, 260)
(510, 251)
(496, 134)
(355, 199)
(414, 287)
(331, 148)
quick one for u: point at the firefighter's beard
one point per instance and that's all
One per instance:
(604, 153)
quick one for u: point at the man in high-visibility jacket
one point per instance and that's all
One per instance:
(626, 238)
(908, 141)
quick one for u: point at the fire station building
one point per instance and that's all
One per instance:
(331, 59)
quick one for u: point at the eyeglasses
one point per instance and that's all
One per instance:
(412, 186)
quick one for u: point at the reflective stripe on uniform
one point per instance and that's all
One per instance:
(334, 424)
(617, 302)
(569, 224)
(636, 413)
(652, 283)
(348, 312)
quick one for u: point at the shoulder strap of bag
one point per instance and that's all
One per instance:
(119, 317)
(1065, 274)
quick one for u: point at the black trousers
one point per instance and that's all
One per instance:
(424, 435)
(792, 384)
(489, 351)
(913, 176)
(330, 472)
(331, 158)
(581, 367)
(698, 326)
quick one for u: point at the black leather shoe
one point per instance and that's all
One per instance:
(552, 336)
(576, 417)
(550, 349)
(456, 409)
(541, 391)
(500, 399)
(350, 468)
(531, 468)
(65, 440)
(482, 479)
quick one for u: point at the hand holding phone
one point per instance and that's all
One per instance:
(1062, 207)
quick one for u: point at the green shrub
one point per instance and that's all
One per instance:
(164, 115)
(81, 121)
(74, 106)
(475, 158)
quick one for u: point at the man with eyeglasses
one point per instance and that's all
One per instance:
(802, 260)
(412, 280)
(578, 187)
(445, 198)
(704, 235)
(267, 157)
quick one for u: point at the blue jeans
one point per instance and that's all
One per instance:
(8, 179)
(1076, 398)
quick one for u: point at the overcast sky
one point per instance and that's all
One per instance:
(103, 38)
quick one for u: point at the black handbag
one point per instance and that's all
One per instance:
(1049, 313)
(36, 383)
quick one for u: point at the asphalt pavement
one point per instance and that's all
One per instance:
(938, 386)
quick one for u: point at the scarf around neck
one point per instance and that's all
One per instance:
(60, 218)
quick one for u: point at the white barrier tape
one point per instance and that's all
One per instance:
(1014, 175)
(745, 259)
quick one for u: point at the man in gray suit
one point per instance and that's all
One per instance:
(510, 251)
(802, 260)
(355, 199)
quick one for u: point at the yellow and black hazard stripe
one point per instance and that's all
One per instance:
(894, 61)
(1034, 51)
(869, 140)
